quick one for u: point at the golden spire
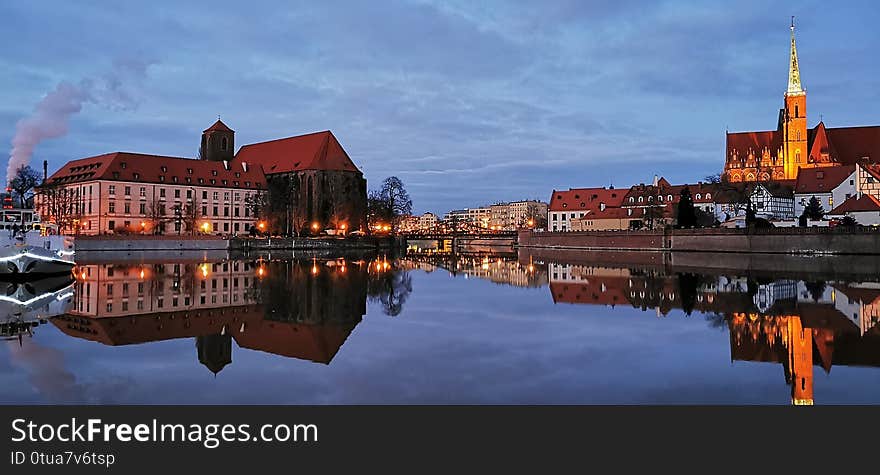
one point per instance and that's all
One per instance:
(794, 73)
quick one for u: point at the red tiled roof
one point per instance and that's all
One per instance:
(137, 167)
(589, 292)
(316, 151)
(863, 203)
(218, 126)
(585, 199)
(872, 168)
(314, 342)
(742, 142)
(821, 179)
(854, 143)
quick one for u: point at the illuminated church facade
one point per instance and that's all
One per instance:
(777, 155)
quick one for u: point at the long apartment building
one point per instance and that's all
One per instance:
(124, 192)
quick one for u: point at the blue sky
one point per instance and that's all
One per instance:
(468, 102)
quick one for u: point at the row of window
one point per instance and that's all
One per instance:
(111, 190)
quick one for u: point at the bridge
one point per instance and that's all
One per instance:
(504, 238)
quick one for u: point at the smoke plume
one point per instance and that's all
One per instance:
(51, 116)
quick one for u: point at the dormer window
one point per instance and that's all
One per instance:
(237, 175)
(174, 179)
(189, 171)
(162, 178)
(641, 199)
(213, 181)
(201, 181)
(188, 180)
(668, 197)
(122, 165)
(247, 184)
(699, 196)
(164, 169)
(214, 172)
(632, 200)
(224, 182)
(137, 176)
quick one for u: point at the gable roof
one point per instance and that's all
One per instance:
(139, 167)
(865, 202)
(315, 151)
(742, 142)
(586, 199)
(218, 126)
(854, 143)
(821, 179)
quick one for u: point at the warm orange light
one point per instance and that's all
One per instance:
(143, 224)
(142, 274)
(261, 271)
(206, 227)
(531, 222)
(261, 225)
(204, 268)
(315, 226)
(342, 227)
(83, 275)
(342, 269)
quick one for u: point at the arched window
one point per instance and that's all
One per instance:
(641, 199)
(750, 177)
(708, 196)
(660, 198)
(699, 196)
(797, 156)
(632, 200)
(668, 197)
(796, 114)
(650, 199)
(223, 144)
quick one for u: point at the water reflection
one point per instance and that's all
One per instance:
(793, 313)
(298, 308)
(788, 321)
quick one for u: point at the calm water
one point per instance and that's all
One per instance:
(473, 328)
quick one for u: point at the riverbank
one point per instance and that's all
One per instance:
(808, 241)
(317, 244)
(123, 245)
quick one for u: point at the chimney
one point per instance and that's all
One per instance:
(45, 170)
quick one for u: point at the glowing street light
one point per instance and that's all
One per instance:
(262, 226)
(206, 227)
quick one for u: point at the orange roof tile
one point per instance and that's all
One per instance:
(316, 151)
(138, 167)
(821, 179)
(857, 203)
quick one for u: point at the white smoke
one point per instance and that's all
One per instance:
(51, 116)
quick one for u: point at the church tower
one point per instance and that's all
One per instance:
(800, 362)
(795, 117)
(218, 143)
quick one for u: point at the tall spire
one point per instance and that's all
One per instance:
(794, 73)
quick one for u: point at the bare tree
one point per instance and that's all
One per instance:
(25, 179)
(58, 205)
(191, 215)
(156, 213)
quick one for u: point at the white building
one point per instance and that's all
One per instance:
(830, 185)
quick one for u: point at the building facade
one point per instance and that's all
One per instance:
(829, 185)
(777, 155)
(517, 215)
(131, 193)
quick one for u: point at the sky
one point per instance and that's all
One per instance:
(469, 103)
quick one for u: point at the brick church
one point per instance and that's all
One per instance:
(777, 155)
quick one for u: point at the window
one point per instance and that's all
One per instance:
(161, 192)
(235, 211)
(223, 144)
(189, 171)
(668, 197)
(699, 196)
(162, 178)
(127, 207)
(632, 200)
(215, 211)
(641, 199)
(189, 194)
(204, 195)
(216, 195)
(143, 192)
(708, 196)
(164, 169)
(122, 165)
(137, 176)
(127, 191)
(177, 193)
(226, 211)
(111, 189)
(204, 210)
(111, 207)
(111, 225)
(224, 182)
(226, 196)
(214, 172)
(143, 209)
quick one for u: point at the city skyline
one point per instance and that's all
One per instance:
(510, 102)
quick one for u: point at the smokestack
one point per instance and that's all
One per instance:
(45, 170)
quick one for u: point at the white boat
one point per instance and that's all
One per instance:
(24, 305)
(26, 255)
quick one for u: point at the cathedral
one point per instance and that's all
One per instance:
(777, 155)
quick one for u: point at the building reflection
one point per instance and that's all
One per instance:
(301, 308)
(29, 304)
(497, 267)
(799, 324)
